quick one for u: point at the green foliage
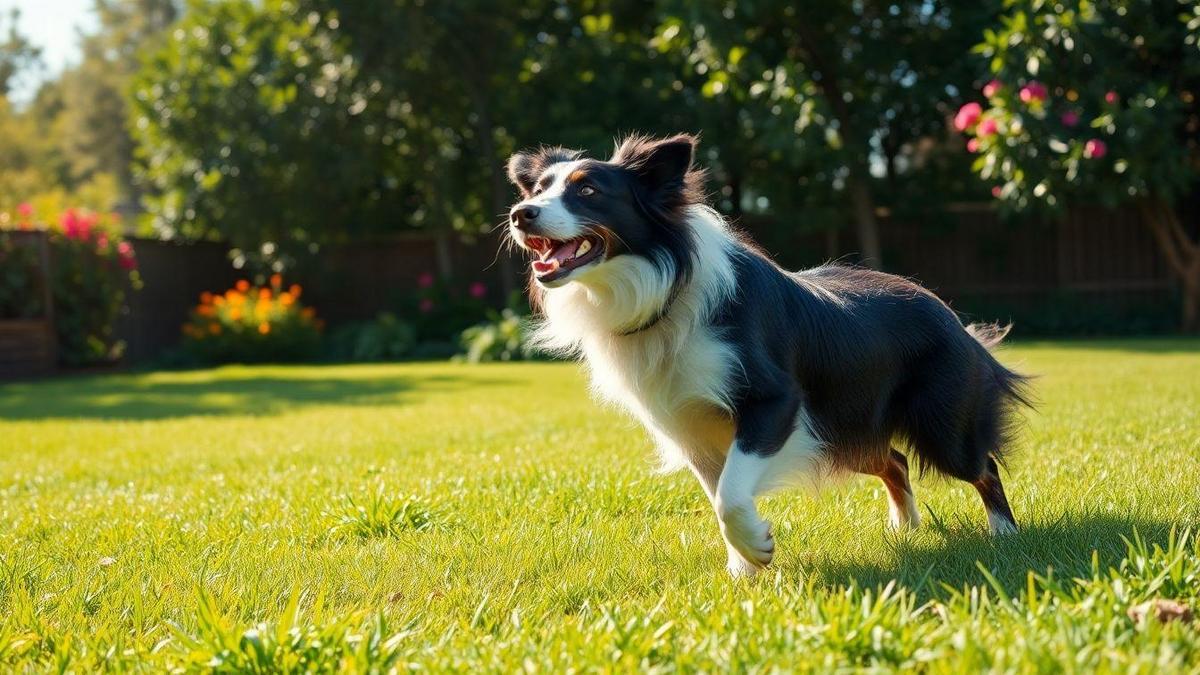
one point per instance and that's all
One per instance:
(505, 336)
(252, 324)
(20, 292)
(386, 338)
(180, 521)
(1123, 74)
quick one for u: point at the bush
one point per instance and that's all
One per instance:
(387, 338)
(441, 309)
(252, 324)
(91, 267)
(504, 337)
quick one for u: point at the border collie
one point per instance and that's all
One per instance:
(748, 375)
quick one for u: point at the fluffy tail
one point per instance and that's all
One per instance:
(988, 334)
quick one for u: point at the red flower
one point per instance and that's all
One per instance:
(1033, 92)
(992, 88)
(1095, 149)
(1111, 97)
(1070, 118)
(967, 116)
(986, 128)
(425, 280)
(973, 145)
(426, 306)
(478, 289)
(25, 209)
(997, 191)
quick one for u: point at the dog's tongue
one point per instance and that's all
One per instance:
(556, 257)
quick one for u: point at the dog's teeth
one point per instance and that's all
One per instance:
(584, 247)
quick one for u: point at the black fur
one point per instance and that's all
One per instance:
(871, 356)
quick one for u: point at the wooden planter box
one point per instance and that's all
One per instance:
(26, 347)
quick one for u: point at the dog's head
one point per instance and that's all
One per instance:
(578, 214)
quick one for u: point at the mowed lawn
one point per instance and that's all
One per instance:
(455, 517)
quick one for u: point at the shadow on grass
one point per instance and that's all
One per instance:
(133, 397)
(1065, 547)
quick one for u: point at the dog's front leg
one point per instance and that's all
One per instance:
(761, 449)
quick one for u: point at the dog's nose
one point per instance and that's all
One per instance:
(523, 216)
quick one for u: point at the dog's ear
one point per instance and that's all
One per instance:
(658, 163)
(524, 168)
(521, 172)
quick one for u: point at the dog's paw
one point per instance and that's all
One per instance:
(738, 567)
(748, 537)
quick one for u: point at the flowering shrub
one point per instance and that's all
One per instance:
(441, 309)
(20, 297)
(252, 324)
(505, 336)
(91, 267)
(387, 338)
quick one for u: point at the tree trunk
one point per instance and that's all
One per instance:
(1182, 254)
(864, 220)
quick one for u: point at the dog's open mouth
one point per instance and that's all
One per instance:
(556, 259)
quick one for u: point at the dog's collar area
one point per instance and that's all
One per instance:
(658, 316)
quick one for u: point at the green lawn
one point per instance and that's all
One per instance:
(461, 517)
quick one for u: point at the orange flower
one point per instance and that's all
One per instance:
(235, 298)
(294, 290)
(308, 312)
(264, 328)
(206, 298)
(214, 328)
(205, 310)
(235, 314)
(219, 300)
(286, 299)
(243, 286)
(276, 280)
(264, 294)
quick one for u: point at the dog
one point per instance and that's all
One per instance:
(750, 376)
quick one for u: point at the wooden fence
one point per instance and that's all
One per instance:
(966, 255)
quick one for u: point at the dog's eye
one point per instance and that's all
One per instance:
(587, 191)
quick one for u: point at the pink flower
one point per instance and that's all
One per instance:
(967, 116)
(986, 128)
(25, 209)
(102, 243)
(1070, 118)
(1111, 97)
(996, 191)
(973, 145)
(425, 280)
(992, 88)
(1033, 92)
(426, 306)
(478, 289)
(125, 256)
(1095, 149)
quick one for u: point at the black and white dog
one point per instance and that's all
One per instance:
(749, 375)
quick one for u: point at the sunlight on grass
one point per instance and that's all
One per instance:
(493, 518)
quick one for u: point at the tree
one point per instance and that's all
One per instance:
(826, 89)
(17, 54)
(1095, 103)
(94, 128)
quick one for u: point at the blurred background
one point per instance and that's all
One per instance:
(184, 183)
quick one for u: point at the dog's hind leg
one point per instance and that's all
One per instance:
(999, 515)
(892, 468)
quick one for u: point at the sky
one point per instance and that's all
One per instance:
(54, 26)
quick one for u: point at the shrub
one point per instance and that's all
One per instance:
(442, 308)
(387, 338)
(91, 267)
(252, 324)
(503, 337)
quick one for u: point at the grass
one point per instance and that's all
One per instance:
(451, 517)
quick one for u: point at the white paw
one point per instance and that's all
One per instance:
(747, 535)
(904, 516)
(738, 567)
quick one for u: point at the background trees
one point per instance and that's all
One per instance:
(1095, 103)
